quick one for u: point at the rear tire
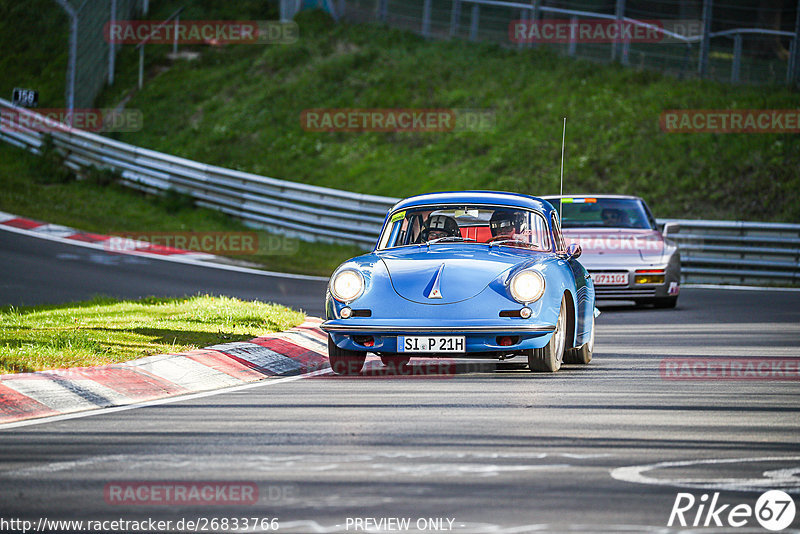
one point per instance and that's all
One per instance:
(583, 354)
(548, 359)
(343, 361)
(394, 362)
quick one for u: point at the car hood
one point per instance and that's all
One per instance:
(603, 243)
(462, 271)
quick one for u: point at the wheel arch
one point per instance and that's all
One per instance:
(571, 319)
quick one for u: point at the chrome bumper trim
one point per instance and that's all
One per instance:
(428, 329)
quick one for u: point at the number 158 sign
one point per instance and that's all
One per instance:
(27, 98)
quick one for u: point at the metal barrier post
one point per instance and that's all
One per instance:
(705, 44)
(455, 17)
(619, 14)
(523, 17)
(793, 70)
(426, 19)
(534, 18)
(383, 9)
(141, 66)
(473, 23)
(626, 49)
(737, 57)
(73, 55)
(573, 42)
(175, 41)
(111, 46)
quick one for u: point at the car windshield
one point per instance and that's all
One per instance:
(587, 212)
(497, 225)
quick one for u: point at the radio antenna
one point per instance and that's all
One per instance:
(561, 194)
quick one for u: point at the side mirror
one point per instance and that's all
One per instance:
(671, 227)
(573, 251)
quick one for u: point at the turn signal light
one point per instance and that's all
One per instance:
(649, 276)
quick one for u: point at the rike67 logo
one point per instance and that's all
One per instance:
(774, 510)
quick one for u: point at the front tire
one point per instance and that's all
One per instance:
(665, 302)
(583, 354)
(343, 361)
(548, 359)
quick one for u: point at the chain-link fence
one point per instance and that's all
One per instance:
(91, 57)
(750, 41)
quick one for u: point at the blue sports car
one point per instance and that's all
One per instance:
(466, 274)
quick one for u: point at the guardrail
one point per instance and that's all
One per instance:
(300, 210)
(738, 252)
(712, 251)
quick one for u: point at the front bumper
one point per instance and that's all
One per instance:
(478, 337)
(633, 291)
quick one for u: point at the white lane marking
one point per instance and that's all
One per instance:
(448, 469)
(261, 357)
(56, 230)
(738, 288)
(187, 373)
(158, 402)
(50, 393)
(56, 467)
(174, 258)
(197, 464)
(784, 479)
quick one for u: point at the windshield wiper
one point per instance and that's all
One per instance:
(502, 241)
(448, 237)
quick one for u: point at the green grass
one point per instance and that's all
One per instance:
(30, 187)
(106, 330)
(34, 38)
(239, 107)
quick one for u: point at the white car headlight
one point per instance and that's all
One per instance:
(527, 286)
(347, 285)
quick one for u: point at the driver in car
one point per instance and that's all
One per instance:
(439, 226)
(507, 224)
(614, 217)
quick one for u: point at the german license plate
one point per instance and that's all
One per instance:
(431, 344)
(610, 279)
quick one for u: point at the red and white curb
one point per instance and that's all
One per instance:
(104, 241)
(301, 350)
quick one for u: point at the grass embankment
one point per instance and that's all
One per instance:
(105, 330)
(239, 106)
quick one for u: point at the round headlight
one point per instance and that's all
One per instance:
(527, 286)
(347, 285)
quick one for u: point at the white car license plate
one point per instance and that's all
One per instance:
(610, 279)
(431, 344)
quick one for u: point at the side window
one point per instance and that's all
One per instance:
(541, 236)
(559, 239)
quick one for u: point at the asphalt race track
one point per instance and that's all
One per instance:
(38, 271)
(492, 448)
